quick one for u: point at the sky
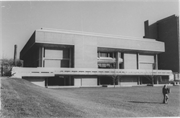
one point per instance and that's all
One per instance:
(19, 19)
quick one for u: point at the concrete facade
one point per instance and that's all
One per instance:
(166, 30)
(51, 48)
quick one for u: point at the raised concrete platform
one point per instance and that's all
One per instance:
(51, 72)
(109, 86)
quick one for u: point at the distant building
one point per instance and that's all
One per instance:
(167, 31)
(70, 58)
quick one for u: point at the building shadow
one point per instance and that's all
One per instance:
(146, 102)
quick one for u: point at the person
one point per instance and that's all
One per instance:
(165, 91)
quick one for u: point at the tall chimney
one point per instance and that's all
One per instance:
(15, 52)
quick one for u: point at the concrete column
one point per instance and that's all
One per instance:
(138, 81)
(69, 80)
(42, 55)
(99, 80)
(117, 60)
(46, 82)
(117, 80)
(81, 81)
(157, 80)
(156, 62)
(70, 57)
(64, 80)
(137, 60)
(122, 56)
(72, 80)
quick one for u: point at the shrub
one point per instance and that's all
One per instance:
(7, 64)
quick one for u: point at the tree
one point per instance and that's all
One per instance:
(7, 64)
(114, 77)
(152, 77)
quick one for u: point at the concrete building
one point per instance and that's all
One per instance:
(70, 58)
(167, 31)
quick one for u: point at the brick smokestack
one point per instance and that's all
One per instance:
(15, 53)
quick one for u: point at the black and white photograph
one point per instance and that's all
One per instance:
(89, 58)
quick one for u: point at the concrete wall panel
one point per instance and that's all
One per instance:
(109, 42)
(146, 66)
(130, 61)
(89, 82)
(131, 44)
(85, 81)
(77, 82)
(53, 54)
(54, 38)
(85, 53)
(146, 58)
(128, 83)
(52, 63)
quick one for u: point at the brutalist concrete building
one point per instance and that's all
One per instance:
(69, 58)
(167, 31)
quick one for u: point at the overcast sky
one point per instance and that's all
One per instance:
(124, 17)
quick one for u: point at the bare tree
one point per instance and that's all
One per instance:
(152, 76)
(114, 77)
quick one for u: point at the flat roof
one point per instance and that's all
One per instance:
(93, 34)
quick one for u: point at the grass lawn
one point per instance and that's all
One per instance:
(23, 99)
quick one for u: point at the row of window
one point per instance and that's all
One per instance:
(106, 54)
(128, 61)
